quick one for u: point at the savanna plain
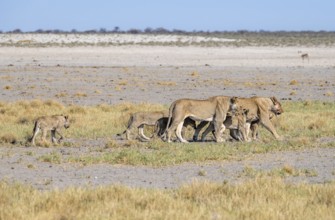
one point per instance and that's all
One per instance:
(98, 80)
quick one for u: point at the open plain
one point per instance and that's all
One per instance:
(134, 73)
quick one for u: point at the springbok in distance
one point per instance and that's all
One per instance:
(304, 56)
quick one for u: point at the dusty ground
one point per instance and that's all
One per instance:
(95, 75)
(22, 165)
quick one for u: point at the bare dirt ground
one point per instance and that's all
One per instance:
(95, 75)
(160, 74)
(21, 164)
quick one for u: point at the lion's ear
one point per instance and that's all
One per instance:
(245, 111)
(66, 117)
(233, 100)
(274, 100)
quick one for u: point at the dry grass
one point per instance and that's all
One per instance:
(167, 83)
(80, 94)
(123, 83)
(195, 74)
(293, 92)
(61, 94)
(7, 87)
(294, 82)
(285, 171)
(329, 94)
(8, 138)
(260, 198)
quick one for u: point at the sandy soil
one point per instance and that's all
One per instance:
(95, 75)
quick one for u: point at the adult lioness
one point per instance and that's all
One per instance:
(236, 121)
(261, 109)
(52, 123)
(213, 109)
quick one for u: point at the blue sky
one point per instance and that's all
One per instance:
(189, 15)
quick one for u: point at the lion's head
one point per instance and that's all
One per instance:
(276, 108)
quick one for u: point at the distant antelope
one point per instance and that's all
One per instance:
(304, 56)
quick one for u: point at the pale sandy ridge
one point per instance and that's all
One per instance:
(26, 39)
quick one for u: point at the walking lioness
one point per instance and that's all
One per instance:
(52, 123)
(213, 109)
(261, 109)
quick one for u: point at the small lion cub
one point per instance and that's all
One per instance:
(52, 123)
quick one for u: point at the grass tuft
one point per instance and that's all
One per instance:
(329, 94)
(293, 82)
(8, 138)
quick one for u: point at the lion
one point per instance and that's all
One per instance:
(157, 119)
(161, 125)
(139, 119)
(212, 109)
(261, 110)
(236, 122)
(53, 124)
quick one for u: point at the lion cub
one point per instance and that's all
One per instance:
(139, 119)
(158, 119)
(52, 123)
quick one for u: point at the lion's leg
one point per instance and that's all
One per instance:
(36, 131)
(169, 133)
(160, 130)
(208, 129)
(243, 133)
(157, 130)
(198, 129)
(141, 132)
(254, 131)
(44, 135)
(130, 127)
(234, 133)
(178, 132)
(128, 134)
(60, 134)
(247, 131)
(172, 128)
(218, 127)
(265, 121)
(53, 136)
(183, 131)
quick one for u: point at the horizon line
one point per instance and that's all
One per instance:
(157, 30)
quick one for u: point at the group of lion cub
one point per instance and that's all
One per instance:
(239, 115)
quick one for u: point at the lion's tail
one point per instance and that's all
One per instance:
(128, 125)
(172, 106)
